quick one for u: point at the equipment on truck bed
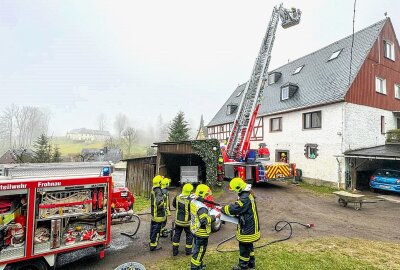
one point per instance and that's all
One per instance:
(52, 208)
(237, 154)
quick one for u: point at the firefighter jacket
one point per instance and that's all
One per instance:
(200, 220)
(157, 205)
(182, 214)
(166, 201)
(248, 228)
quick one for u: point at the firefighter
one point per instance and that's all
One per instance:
(220, 171)
(182, 220)
(200, 226)
(157, 200)
(164, 189)
(283, 158)
(248, 228)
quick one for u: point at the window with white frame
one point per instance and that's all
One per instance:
(285, 93)
(380, 85)
(335, 55)
(298, 70)
(389, 49)
(397, 91)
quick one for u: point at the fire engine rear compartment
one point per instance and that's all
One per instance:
(49, 216)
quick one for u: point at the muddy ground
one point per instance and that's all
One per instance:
(281, 201)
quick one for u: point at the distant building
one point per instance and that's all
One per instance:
(90, 154)
(202, 132)
(84, 134)
(20, 155)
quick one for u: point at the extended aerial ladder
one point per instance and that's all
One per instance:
(239, 139)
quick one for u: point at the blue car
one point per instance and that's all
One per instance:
(385, 179)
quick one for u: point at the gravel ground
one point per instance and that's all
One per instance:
(280, 201)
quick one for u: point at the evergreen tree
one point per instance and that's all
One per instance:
(42, 152)
(56, 155)
(178, 130)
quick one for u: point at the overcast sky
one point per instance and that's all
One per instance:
(145, 58)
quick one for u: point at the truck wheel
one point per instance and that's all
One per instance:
(216, 225)
(30, 265)
(299, 174)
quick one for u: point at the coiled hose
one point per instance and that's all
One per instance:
(279, 226)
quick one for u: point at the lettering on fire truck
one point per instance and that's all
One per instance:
(49, 184)
(12, 186)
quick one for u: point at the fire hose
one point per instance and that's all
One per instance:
(278, 228)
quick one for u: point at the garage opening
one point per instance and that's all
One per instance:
(170, 166)
(362, 164)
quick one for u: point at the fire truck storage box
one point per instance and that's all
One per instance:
(42, 247)
(12, 252)
(189, 174)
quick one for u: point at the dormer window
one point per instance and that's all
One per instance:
(389, 49)
(274, 77)
(231, 108)
(285, 93)
(298, 70)
(335, 55)
(288, 90)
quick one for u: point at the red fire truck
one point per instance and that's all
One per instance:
(47, 209)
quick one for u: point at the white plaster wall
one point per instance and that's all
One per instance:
(363, 126)
(293, 138)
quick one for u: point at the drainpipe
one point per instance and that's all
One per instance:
(339, 172)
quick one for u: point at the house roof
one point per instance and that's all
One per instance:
(320, 81)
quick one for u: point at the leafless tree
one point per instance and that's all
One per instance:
(101, 121)
(129, 137)
(120, 124)
(19, 126)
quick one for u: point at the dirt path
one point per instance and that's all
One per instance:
(275, 202)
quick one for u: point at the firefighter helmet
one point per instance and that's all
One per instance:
(220, 160)
(187, 189)
(157, 180)
(202, 190)
(165, 182)
(237, 184)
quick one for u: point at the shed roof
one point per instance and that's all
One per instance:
(320, 81)
(387, 151)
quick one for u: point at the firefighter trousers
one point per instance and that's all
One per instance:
(199, 249)
(177, 237)
(163, 232)
(246, 255)
(155, 228)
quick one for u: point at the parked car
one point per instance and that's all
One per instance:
(385, 179)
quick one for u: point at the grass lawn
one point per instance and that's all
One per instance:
(324, 253)
(141, 204)
(318, 189)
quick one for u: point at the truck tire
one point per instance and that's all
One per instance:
(37, 264)
(216, 225)
(299, 174)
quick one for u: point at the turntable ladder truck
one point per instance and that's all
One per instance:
(239, 160)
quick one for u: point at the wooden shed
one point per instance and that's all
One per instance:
(139, 175)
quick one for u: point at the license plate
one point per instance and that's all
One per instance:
(124, 194)
(384, 186)
(279, 175)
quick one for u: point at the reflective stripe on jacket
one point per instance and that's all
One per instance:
(182, 213)
(157, 205)
(248, 228)
(167, 205)
(200, 220)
